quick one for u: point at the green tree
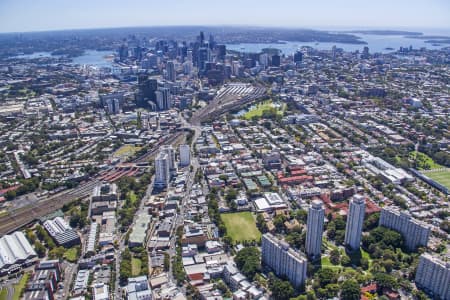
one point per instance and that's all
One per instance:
(281, 289)
(350, 290)
(248, 260)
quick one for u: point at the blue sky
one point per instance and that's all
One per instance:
(34, 15)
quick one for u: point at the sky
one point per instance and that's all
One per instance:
(39, 15)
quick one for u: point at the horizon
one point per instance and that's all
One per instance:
(48, 15)
(327, 28)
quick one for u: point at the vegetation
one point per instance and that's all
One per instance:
(248, 260)
(235, 222)
(281, 289)
(72, 254)
(350, 290)
(20, 287)
(440, 176)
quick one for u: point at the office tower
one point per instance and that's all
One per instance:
(211, 42)
(189, 56)
(298, 56)
(355, 220)
(201, 38)
(185, 155)
(123, 52)
(414, 232)
(146, 91)
(264, 60)
(168, 149)
(203, 58)
(283, 260)
(162, 171)
(365, 53)
(314, 232)
(163, 99)
(171, 73)
(221, 51)
(276, 60)
(433, 275)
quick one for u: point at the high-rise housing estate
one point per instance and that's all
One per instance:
(316, 215)
(433, 275)
(283, 260)
(355, 220)
(185, 155)
(162, 171)
(170, 69)
(414, 232)
(168, 149)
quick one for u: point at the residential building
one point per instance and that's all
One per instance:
(185, 155)
(162, 171)
(433, 275)
(316, 215)
(283, 260)
(414, 232)
(355, 220)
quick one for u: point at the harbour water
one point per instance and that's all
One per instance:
(90, 57)
(376, 43)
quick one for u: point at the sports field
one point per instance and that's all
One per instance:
(241, 226)
(261, 107)
(440, 175)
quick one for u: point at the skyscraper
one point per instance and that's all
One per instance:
(162, 171)
(283, 260)
(168, 149)
(163, 99)
(314, 232)
(171, 73)
(298, 56)
(203, 58)
(185, 155)
(355, 220)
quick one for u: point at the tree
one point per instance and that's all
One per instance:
(335, 256)
(40, 249)
(350, 290)
(326, 276)
(281, 289)
(248, 260)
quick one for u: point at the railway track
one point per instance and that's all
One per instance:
(27, 214)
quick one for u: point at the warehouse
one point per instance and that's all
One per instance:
(15, 253)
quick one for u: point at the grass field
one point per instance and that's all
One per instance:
(260, 107)
(424, 162)
(126, 150)
(241, 226)
(18, 288)
(136, 264)
(71, 254)
(442, 176)
(3, 294)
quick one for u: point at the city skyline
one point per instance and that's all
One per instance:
(47, 15)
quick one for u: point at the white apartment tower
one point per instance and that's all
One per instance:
(283, 260)
(162, 171)
(185, 155)
(355, 220)
(433, 275)
(316, 215)
(168, 149)
(414, 232)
